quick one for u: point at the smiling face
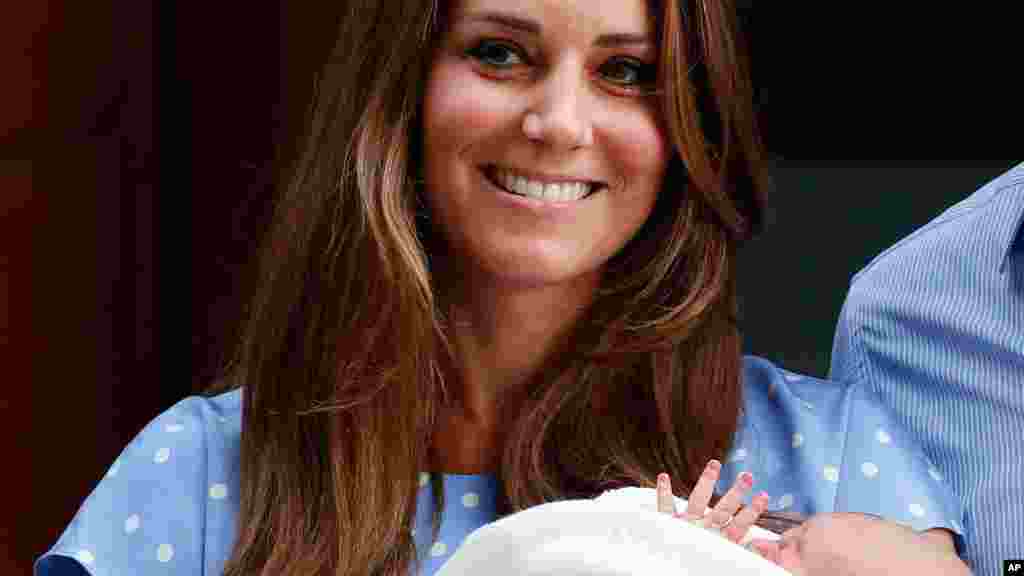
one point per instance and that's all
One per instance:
(529, 106)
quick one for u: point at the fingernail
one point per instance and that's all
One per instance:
(747, 479)
(714, 464)
(662, 481)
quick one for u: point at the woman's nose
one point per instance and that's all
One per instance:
(560, 116)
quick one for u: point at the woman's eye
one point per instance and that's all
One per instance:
(497, 54)
(630, 73)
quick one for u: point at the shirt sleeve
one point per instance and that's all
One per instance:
(819, 446)
(885, 473)
(146, 514)
(843, 362)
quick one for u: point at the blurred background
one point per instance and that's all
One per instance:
(139, 142)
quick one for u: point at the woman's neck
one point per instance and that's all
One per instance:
(501, 337)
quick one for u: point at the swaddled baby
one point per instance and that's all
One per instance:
(619, 533)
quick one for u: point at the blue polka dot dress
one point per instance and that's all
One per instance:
(168, 504)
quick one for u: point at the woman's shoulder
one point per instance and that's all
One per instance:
(806, 409)
(167, 502)
(766, 382)
(197, 428)
(838, 405)
(829, 446)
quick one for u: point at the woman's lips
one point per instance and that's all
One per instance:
(490, 172)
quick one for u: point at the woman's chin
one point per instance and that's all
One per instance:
(537, 271)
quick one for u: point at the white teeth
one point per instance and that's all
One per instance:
(535, 189)
(561, 192)
(553, 192)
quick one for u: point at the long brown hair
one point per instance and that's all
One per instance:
(345, 345)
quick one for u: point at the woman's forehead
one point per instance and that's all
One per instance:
(592, 17)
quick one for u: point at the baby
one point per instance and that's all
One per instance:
(620, 533)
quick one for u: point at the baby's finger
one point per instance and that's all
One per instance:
(666, 503)
(746, 517)
(699, 498)
(730, 503)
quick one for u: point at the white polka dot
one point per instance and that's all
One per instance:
(916, 510)
(113, 470)
(85, 557)
(223, 419)
(438, 549)
(785, 501)
(791, 377)
(935, 474)
(798, 440)
(218, 491)
(162, 455)
(414, 532)
(739, 455)
(807, 405)
(883, 436)
(870, 469)
(470, 500)
(174, 428)
(131, 524)
(831, 473)
(165, 552)
(424, 478)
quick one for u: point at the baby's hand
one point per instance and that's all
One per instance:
(729, 517)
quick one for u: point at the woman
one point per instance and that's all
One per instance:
(506, 257)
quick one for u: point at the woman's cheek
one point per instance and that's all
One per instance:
(639, 143)
(462, 102)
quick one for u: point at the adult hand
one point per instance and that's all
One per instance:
(729, 517)
(848, 544)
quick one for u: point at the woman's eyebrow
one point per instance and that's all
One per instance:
(533, 27)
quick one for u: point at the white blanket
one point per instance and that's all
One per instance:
(619, 533)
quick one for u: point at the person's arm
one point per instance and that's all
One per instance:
(860, 545)
(827, 544)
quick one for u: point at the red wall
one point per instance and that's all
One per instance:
(137, 150)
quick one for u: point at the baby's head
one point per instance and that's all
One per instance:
(616, 534)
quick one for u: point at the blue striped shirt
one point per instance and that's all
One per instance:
(934, 327)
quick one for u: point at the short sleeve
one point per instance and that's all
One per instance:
(146, 515)
(885, 473)
(820, 446)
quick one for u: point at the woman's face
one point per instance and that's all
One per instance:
(529, 106)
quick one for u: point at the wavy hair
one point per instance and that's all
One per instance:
(345, 345)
